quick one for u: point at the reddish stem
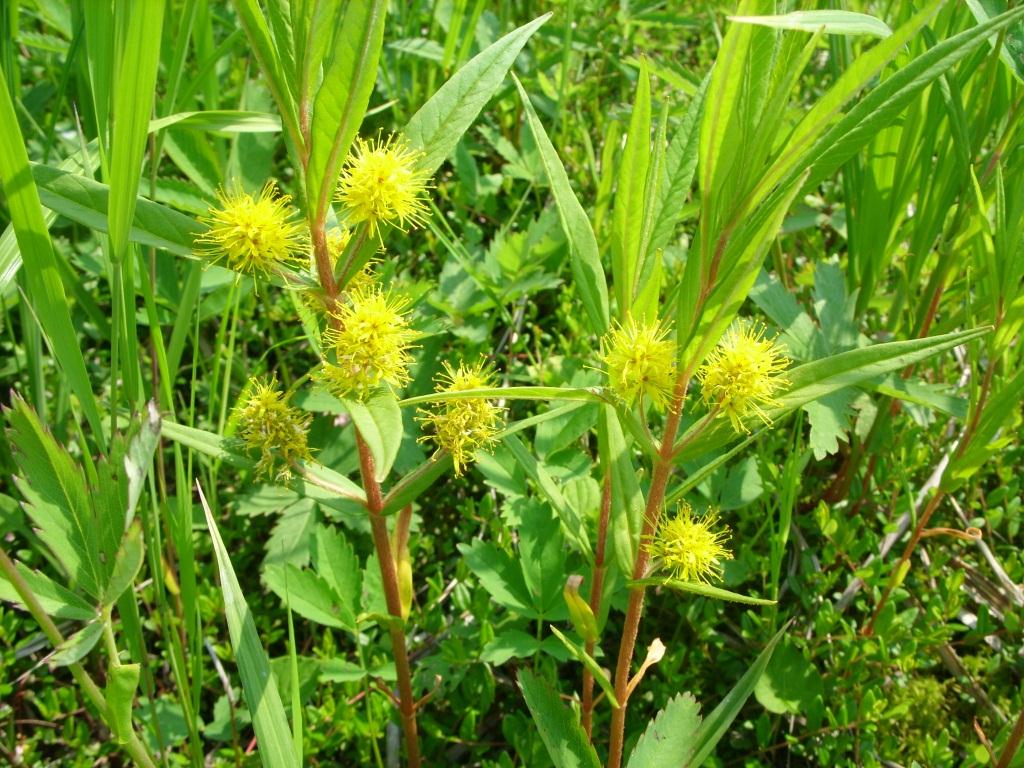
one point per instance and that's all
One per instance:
(389, 577)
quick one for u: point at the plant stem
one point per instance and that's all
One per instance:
(596, 586)
(135, 747)
(389, 577)
(907, 552)
(634, 609)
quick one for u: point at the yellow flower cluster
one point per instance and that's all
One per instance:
(370, 343)
(689, 548)
(381, 183)
(641, 360)
(253, 235)
(464, 426)
(740, 377)
(266, 423)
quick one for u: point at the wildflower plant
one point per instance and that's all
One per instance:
(369, 343)
(271, 427)
(567, 531)
(742, 375)
(383, 183)
(640, 359)
(254, 235)
(463, 426)
(690, 548)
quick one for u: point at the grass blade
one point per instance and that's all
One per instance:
(258, 683)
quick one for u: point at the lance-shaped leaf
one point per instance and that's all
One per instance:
(439, 124)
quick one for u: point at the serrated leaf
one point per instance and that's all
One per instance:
(335, 561)
(310, 596)
(439, 124)
(499, 575)
(668, 740)
(58, 501)
(829, 417)
(565, 740)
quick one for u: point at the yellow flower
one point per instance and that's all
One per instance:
(371, 343)
(640, 361)
(688, 548)
(253, 235)
(462, 427)
(740, 376)
(266, 423)
(382, 183)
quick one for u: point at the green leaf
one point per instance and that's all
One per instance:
(1012, 51)
(714, 726)
(343, 97)
(139, 458)
(588, 661)
(56, 599)
(819, 378)
(310, 596)
(439, 124)
(317, 482)
(541, 555)
(589, 394)
(499, 575)
(832, 22)
(884, 103)
(704, 590)
(58, 501)
(409, 488)
(829, 418)
(220, 120)
(627, 510)
(264, 49)
(77, 646)
(44, 287)
(790, 683)
(567, 744)
(336, 562)
(134, 90)
(677, 172)
(669, 739)
(630, 193)
(379, 421)
(86, 202)
(572, 524)
(269, 720)
(122, 681)
(127, 563)
(588, 274)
